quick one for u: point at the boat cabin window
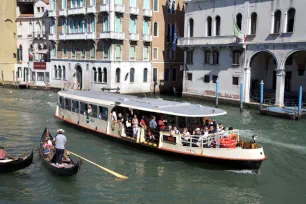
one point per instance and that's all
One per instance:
(194, 123)
(103, 113)
(84, 108)
(171, 120)
(94, 112)
(61, 102)
(182, 122)
(67, 104)
(75, 106)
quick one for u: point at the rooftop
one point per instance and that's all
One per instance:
(145, 104)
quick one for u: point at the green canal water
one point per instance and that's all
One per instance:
(153, 178)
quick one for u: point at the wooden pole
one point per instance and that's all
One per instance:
(105, 169)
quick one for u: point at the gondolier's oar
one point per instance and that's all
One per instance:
(105, 169)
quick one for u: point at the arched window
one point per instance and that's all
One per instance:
(190, 33)
(76, 26)
(104, 75)
(218, 25)
(64, 22)
(253, 23)
(132, 53)
(94, 74)
(132, 26)
(118, 75)
(59, 72)
(118, 24)
(93, 25)
(64, 72)
(132, 75)
(71, 27)
(209, 22)
(290, 20)
(118, 52)
(55, 71)
(239, 20)
(19, 53)
(145, 75)
(99, 75)
(105, 24)
(155, 31)
(277, 21)
(85, 25)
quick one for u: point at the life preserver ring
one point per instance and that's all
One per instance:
(229, 142)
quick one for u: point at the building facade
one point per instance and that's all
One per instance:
(272, 51)
(33, 46)
(7, 40)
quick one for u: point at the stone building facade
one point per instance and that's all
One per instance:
(273, 50)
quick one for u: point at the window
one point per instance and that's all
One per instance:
(146, 28)
(206, 78)
(33, 76)
(64, 22)
(105, 24)
(103, 113)
(104, 75)
(19, 53)
(290, 20)
(132, 26)
(218, 25)
(169, 33)
(155, 53)
(59, 72)
(94, 70)
(75, 106)
(207, 57)
(93, 52)
(42, 9)
(155, 31)
(173, 7)
(277, 21)
(239, 20)
(214, 78)
(67, 104)
(85, 23)
(132, 73)
(53, 53)
(71, 27)
(145, 53)
(189, 57)
(64, 4)
(73, 53)
(83, 53)
(145, 75)
(61, 102)
(94, 112)
(209, 24)
(215, 57)
(133, 3)
(167, 73)
(47, 79)
(154, 75)
(253, 23)
(118, 24)
(155, 5)
(173, 73)
(64, 52)
(64, 72)
(146, 4)
(55, 71)
(118, 52)
(190, 30)
(132, 53)
(99, 75)
(93, 25)
(189, 76)
(83, 108)
(38, 9)
(106, 51)
(168, 54)
(236, 57)
(118, 75)
(235, 80)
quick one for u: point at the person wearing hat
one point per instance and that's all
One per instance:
(60, 142)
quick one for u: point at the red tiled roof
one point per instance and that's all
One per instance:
(46, 1)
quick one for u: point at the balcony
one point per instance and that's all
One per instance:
(91, 36)
(104, 8)
(62, 36)
(91, 9)
(112, 35)
(52, 13)
(147, 12)
(119, 8)
(147, 37)
(77, 36)
(52, 37)
(134, 10)
(133, 36)
(62, 12)
(77, 11)
(207, 41)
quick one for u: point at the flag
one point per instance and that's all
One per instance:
(30, 54)
(174, 40)
(238, 33)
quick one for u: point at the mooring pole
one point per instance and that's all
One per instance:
(300, 101)
(261, 93)
(241, 96)
(217, 92)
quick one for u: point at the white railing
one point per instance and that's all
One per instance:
(91, 9)
(134, 10)
(62, 36)
(147, 12)
(104, 8)
(62, 12)
(212, 40)
(134, 36)
(78, 10)
(112, 35)
(119, 8)
(91, 36)
(52, 37)
(77, 36)
(147, 37)
(52, 13)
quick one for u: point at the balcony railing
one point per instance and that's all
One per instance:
(134, 36)
(112, 35)
(104, 8)
(91, 9)
(134, 10)
(76, 11)
(62, 36)
(52, 13)
(147, 12)
(91, 36)
(62, 12)
(77, 36)
(147, 37)
(119, 8)
(212, 40)
(52, 37)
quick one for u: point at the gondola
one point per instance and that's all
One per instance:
(14, 164)
(70, 168)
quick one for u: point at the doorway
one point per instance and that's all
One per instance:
(79, 77)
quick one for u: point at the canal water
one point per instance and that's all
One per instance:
(152, 178)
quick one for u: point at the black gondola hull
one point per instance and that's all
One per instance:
(16, 165)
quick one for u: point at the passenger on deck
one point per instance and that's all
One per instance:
(135, 125)
(186, 135)
(152, 123)
(120, 118)
(161, 123)
(143, 122)
(176, 131)
(114, 116)
(3, 153)
(89, 111)
(127, 120)
(212, 130)
(197, 131)
(170, 128)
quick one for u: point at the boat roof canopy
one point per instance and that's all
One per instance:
(145, 104)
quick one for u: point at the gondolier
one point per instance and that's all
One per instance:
(60, 142)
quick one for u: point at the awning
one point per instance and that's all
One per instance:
(41, 52)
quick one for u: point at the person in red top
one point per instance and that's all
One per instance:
(143, 123)
(161, 123)
(3, 153)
